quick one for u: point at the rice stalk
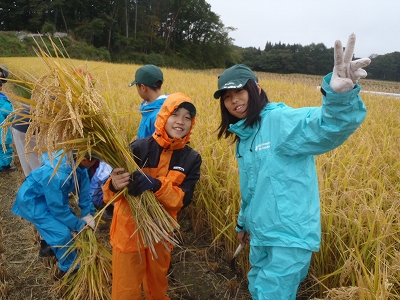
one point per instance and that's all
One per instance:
(92, 278)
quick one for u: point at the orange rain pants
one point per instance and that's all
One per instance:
(133, 270)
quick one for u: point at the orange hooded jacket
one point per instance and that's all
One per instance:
(171, 161)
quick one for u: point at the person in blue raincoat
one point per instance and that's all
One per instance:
(43, 200)
(5, 109)
(275, 149)
(148, 81)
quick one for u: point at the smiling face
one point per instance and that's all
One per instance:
(179, 123)
(235, 101)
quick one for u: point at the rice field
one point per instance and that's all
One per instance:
(359, 181)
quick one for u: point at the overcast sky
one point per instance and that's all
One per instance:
(376, 23)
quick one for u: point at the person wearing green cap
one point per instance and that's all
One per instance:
(148, 81)
(276, 147)
(5, 109)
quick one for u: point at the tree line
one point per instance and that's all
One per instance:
(175, 33)
(314, 59)
(181, 32)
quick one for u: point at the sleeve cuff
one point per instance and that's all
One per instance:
(157, 186)
(239, 228)
(111, 187)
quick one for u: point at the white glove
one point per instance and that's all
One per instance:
(346, 73)
(89, 220)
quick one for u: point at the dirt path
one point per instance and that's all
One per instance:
(197, 272)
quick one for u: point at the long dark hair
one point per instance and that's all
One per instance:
(256, 103)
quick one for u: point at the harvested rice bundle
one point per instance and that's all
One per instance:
(67, 113)
(93, 278)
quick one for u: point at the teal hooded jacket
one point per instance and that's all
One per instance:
(43, 192)
(280, 203)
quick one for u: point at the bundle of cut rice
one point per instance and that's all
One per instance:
(92, 280)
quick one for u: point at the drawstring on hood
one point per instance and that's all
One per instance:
(160, 135)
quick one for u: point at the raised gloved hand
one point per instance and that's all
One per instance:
(89, 220)
(346, 72)
(141, 182)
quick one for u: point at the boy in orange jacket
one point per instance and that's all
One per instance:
(171, 169)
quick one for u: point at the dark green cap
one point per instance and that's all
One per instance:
(189, 106)
(234, 77)
(148, 75)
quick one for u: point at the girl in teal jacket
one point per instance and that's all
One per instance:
(275, 148)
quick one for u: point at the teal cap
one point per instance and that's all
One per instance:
(234, 77)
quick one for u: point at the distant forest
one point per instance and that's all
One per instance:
(173, 33)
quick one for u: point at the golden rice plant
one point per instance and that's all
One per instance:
(359, 181)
